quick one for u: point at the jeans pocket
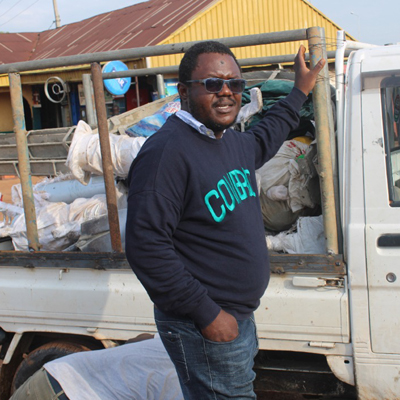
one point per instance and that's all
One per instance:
(174, 346)
(221, 343)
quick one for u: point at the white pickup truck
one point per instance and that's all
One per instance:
(328, 323)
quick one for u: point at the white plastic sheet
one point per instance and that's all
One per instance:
(59, 224)
(309, 238)
(255, 105)
(9, 212)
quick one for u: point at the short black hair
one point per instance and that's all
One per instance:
(189, 60)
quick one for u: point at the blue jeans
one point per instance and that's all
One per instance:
(210, 370)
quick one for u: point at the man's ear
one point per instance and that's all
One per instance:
(183, 91)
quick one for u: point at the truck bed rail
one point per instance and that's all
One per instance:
(279, 263)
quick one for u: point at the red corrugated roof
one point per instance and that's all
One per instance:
(142, 24)
(16, 47)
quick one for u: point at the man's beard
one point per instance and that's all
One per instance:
(208, 122)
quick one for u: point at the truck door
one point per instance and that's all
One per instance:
(381, 145)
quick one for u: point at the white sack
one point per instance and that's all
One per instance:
(277, 171)
(280, 208)
(277, 193)
(40, 196)
(84, 156)
(277, 215)
(10, 212)
(309, 238)
(40, 199)
(297, 182)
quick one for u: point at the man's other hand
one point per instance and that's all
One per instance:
(305, 79)
(224, 328)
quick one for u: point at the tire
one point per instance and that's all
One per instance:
(40, 356)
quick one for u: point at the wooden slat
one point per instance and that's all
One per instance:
(44, 259)
(307, 264)
(280, 263)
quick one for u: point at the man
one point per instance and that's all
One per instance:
(194, 233)
(115, 110)
(140, 370)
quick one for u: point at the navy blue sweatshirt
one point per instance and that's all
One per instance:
(194, 233)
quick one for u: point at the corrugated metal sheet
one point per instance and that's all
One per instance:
(167, 21)
(246, 17)
(142, 24)
(16, 47)
(68, 74)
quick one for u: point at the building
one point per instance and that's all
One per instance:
(149, 23)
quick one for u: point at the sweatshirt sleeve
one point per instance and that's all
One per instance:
(273, 129)
(151, 222)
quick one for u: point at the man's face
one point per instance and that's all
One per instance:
(217, 111)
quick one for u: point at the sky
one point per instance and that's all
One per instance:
(369, 21)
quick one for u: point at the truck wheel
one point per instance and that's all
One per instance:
(40, 356)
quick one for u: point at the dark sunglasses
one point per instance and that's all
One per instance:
(215, 85)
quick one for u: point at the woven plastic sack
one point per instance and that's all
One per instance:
(84, 155)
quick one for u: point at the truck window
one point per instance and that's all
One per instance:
(391, 122)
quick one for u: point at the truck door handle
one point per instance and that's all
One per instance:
(389, 240)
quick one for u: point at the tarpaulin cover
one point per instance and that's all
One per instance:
(274, 90)
(151, 124)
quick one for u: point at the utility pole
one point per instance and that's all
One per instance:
(56, 15)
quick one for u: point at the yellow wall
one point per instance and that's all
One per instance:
(68, 74)
(6, 119)
(4, 81)
(6, 122)
(246, 17)
(27, 93)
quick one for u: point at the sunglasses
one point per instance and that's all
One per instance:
(215, 85)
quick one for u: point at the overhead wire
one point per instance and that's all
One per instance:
(19, 1)
(15, 16)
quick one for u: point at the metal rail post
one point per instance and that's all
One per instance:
(87, 90)
(106, 157)
(160, 86)
(324, 131)
(151, 51)
(23, 161)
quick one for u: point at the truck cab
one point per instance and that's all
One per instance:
(370, 217)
